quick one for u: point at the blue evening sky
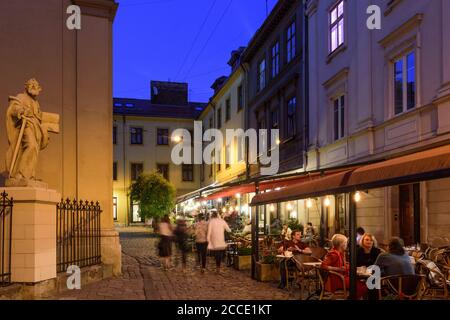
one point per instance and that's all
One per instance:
(154, 40)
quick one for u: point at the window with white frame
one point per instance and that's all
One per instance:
(339, 117)
(404, 83)
(336, 26)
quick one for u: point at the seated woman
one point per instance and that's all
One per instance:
(296, 246)
(367, 252)
(335, 261)
(396, 261)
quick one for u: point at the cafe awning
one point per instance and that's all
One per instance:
(268, 185)
(424, 165)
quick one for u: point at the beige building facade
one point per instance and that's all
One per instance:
(143, 142)
(378, 94)
(74, 68)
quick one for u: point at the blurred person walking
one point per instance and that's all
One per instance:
(201, 242)
(181, 239)
(216, 237)
(165, 242)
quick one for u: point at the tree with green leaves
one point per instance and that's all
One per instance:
(154, 194)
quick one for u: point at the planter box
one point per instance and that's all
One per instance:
(267, 272)
(243, 262)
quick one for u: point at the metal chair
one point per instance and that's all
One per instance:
(341, 293)
(437, 283)
(305, 276)
(402, 287)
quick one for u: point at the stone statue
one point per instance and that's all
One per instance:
(28, 133)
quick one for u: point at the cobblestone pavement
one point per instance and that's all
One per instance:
(143, 278)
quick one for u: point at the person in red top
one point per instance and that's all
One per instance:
(335, 261)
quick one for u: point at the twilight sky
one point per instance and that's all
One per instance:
(180, 40)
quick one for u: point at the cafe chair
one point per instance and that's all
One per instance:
(437, 285)
(402, 287)
(305, 276)
(325, 293)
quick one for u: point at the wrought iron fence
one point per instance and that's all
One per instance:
(78, 234)
(6, 207)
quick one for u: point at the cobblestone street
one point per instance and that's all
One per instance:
(143, 278)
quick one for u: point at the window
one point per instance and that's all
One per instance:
(274, 119)
(290, 128)
(337, 26)
(115, 171)
(404, 83)
(162, 137)
(210, 123)
(188, 172)
(219, 162)
(227, 110)
(261, 143)
(290, 43)
(219, 118)
(211, 166)
(163, 169)
(261, 75)
(136, 135)
(240, 98)
(227, 156)
(136, 170)
(339, 117)
(275, 59)
(241, 148)
(114, 135)
(115, 208)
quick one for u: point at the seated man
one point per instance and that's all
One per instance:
(396, 261)
(296, 246)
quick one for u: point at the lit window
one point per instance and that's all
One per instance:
(337, 26)
(404, 83)
(115, 208)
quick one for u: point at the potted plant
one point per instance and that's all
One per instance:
(243, 260)
(266, 269)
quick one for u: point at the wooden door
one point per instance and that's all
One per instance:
(409, 213)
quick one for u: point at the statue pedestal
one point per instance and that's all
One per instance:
(33, 254)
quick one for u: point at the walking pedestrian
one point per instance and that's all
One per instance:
(201, 242)
(181, 238)
(165, 242)
(216, 237)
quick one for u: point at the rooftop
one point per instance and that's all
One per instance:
(145, 108)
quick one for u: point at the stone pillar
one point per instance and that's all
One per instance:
(33, 254)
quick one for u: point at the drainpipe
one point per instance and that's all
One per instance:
(245, 68)
(305, 84)
(124, 121)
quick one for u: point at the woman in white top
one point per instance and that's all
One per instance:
(216, 237)
(165, 243)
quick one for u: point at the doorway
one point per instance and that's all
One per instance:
(409, 213)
